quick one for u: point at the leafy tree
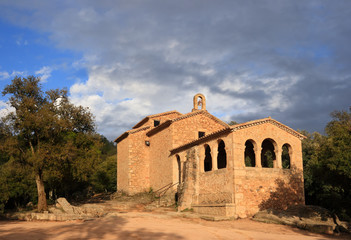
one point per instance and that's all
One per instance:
(47, 132)
(327, 163)
(233, 123)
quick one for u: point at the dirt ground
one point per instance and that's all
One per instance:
(134, 225)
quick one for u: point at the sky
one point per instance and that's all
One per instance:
(290, 60)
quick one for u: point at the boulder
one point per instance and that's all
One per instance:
(312, 218)
(65, 205)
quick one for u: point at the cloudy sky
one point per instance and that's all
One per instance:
(127, 59)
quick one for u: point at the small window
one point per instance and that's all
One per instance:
(201, 134)
(156, 123)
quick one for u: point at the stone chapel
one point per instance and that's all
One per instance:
(214, 168)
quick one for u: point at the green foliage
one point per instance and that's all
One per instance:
(16, 186)
(50, 142)
(327, 163)
(233, 123)
(248, 162)
(105, 175)
(285, 157)
(268, 158)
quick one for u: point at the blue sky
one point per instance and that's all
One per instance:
(127, 59)
(28, 52)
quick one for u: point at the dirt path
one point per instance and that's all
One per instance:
(151, 226)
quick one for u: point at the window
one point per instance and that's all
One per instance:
(156, 123)
(208, 159)
(179, 169)
(221, 156)
(201, 134)
(267, 154)
(250, 160)
(286, 156)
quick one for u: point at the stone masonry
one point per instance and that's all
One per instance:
(221, 170)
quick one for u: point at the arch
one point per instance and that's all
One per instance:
(268, 153)
(208, 159)
(286, 156)
(222, 155)
(249, 154)
(199, 102)
(179, 172)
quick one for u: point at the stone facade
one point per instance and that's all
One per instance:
(232, 171)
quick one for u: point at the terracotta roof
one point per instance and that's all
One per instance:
(144, 120)
(132, 131)
(267, 120)
(184, 116)
(201, 140)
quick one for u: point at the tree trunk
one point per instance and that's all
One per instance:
(42, 205)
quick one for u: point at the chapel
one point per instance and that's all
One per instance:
(212, 167)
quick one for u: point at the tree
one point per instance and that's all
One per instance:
(231, 123)
(327, 162)
(44, 130)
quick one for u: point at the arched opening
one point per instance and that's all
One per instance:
(250, 158)
(286, 152)
(199, 102)
(221, 156)
(208, 159)
(267, 154)
(179, 169)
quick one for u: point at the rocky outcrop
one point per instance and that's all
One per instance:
(311, 218)
(64, 211)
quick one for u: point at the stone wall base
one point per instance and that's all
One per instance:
(225, 209)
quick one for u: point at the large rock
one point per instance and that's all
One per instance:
(312, 218)
(65, 205)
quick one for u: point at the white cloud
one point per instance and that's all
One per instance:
(142, 59)
(6, 75)
(44, 73)
(5, 109)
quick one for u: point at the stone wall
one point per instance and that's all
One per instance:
(258, 188)
(161, 166)
(262, 188)
(186, 130)
(161, 118)
(123, 165)
(139, 163)
(258, 134)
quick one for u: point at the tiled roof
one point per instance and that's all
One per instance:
(144, 120)
(184, 116)
(132, 131)
(201, 140)
(267, 120)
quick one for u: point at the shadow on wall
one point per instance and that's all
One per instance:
(288, 192)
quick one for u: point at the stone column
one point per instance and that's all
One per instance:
(278, 158)
(258, 157)
(214, 153)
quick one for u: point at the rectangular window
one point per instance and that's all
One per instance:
(201, 134)
(156, 123)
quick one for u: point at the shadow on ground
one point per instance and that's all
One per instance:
(102, 228)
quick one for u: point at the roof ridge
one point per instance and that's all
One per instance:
(132, 131)
(190, 114)
(164, 113)
(142, 121)
(267, 120)
(204, 138)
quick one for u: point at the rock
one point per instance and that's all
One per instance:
(64, 204)
(312, 218)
